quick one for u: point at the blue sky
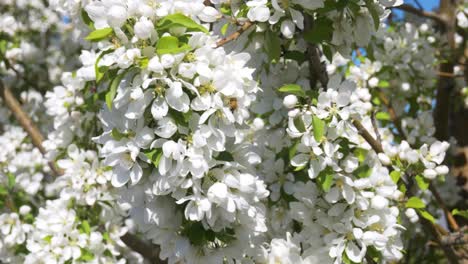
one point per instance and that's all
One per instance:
(426, 4)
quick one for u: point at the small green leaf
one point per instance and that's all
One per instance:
(363, 171)
(154, 155)
(325, 179)
(292, 89)
(85, 228)
(374, 13)
(360, 154)
(300, 168)
(224, 29)
(86, 255)
(170, 45)
(272, 46)
(112, 91)
(319, 128)
(425, 214)
(99, 34)
(225, 156)
(383, 84)
(47, 239)
(382, 116)
(415, 202)
(3, 190)
(299, 123)
(422, 182)
(11, 180)
(86, 19)
(463, 213)
(395, 175)
(179, 20)
(99, 71)
(322, 31)
(293, 150)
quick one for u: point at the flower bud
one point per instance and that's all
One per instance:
(143, 28)
(290, 101)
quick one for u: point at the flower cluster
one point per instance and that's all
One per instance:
(217, 131)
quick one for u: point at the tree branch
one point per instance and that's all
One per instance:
(391, 111)
(422, 13)
(317, 69)
(147, 250)
(376, 146)
(235, 35)
(25, 122)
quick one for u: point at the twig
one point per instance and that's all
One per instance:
(449, 75)
(457, 238)
(317, 69)
(422, 13)
(25, 122)
(435, 229)
(391, 111)
(376, 129)
(453, 223)
(376, 146)
(147, 250)
(235, 35)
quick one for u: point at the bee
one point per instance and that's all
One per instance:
(233, 104)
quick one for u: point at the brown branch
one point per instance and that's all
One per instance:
(147, 250)
(435, 229)
(235, 35)
(317, 69)
(376, 146)
(449, 75)
(391, 111)
(451, 220)
(25, 122)
(422, 13)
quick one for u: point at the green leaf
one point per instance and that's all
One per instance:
(100, 70)
(170, 45)
(325, 179)
(360, 154)
(425, 214)
(463, 213)
(383, 84)
(293, 89)
(422, 182)
(224, 29)
(47, 239)
(99, 34)
(319, 128)
(86, 255)
(225, 156)
(154, 155)
(384, 116)
(300, 168)
(112, 91)
(272, 46)
(363, 171)
(3, 190)
(293, 150)
(179, 20)
(415, 202)
(85, 228)
(395, 175)
(299, 124)
(11, 180)
(322, 31)
(374, 13)
(86, 19)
